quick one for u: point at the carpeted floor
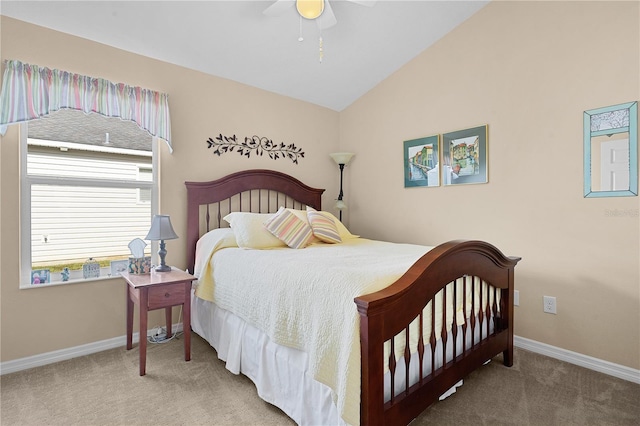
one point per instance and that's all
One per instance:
(105, 389)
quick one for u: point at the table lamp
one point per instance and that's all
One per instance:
(161, 230)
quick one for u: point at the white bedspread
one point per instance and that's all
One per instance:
(304, 298)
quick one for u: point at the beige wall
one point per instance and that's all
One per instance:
(528, 70)
(41, 320)
(525, 69)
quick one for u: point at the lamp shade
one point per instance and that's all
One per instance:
(161, 229)
(310, 9)
(340, 205)
(342, 157)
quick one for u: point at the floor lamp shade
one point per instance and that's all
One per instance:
(342, 157)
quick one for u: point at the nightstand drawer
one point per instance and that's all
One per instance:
(166, 295)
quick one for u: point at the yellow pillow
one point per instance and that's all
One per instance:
(342, 230)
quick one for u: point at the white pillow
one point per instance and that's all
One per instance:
(250, 231)
(342, 230)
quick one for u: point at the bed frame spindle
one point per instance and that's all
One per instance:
(392, 369)
(207, 218)
(443, 330)
(407, 359)
(421, 346)
(464, 310)
(480, 308)
(473, 312)
(432, 337)
(454, 323)
(496, 313)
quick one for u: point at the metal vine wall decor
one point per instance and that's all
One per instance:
(258, 145)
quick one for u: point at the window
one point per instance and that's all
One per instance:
(145, 173)
(88, 189)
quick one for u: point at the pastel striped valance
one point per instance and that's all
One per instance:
(30, 92)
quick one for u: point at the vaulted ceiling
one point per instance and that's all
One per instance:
(237, 41)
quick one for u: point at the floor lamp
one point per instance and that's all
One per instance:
(341, 159)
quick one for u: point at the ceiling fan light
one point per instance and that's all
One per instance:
(310, 9)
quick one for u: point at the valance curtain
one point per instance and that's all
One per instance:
(30, 92)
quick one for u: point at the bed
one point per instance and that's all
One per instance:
(344, 330)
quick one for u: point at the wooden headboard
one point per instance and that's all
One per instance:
(258, 191)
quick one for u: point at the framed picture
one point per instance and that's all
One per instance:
(118, 266)
(464, 156)
(611, 151)
(422, 162)
(40, 276)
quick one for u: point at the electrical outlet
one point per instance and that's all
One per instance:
(516, 298)
(549, 304)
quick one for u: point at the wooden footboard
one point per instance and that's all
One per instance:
(483, 293)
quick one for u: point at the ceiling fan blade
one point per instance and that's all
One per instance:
(279, 7)
(368, 3)
(327, 19)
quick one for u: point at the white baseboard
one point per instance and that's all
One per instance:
(606, 367)
(69, 353)
(615, 370)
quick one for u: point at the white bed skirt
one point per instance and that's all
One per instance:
(280, 373)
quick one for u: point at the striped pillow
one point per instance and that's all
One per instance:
(290, 229)
(324, 228)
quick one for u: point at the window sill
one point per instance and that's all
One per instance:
(76, 281)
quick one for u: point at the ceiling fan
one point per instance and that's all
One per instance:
(318, 10)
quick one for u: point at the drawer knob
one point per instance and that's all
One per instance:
(167, 294)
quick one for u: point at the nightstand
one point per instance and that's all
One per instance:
(155, 291)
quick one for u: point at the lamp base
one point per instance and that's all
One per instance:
(163, 268)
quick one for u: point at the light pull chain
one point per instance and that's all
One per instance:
(300, 38)
(320, 42)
